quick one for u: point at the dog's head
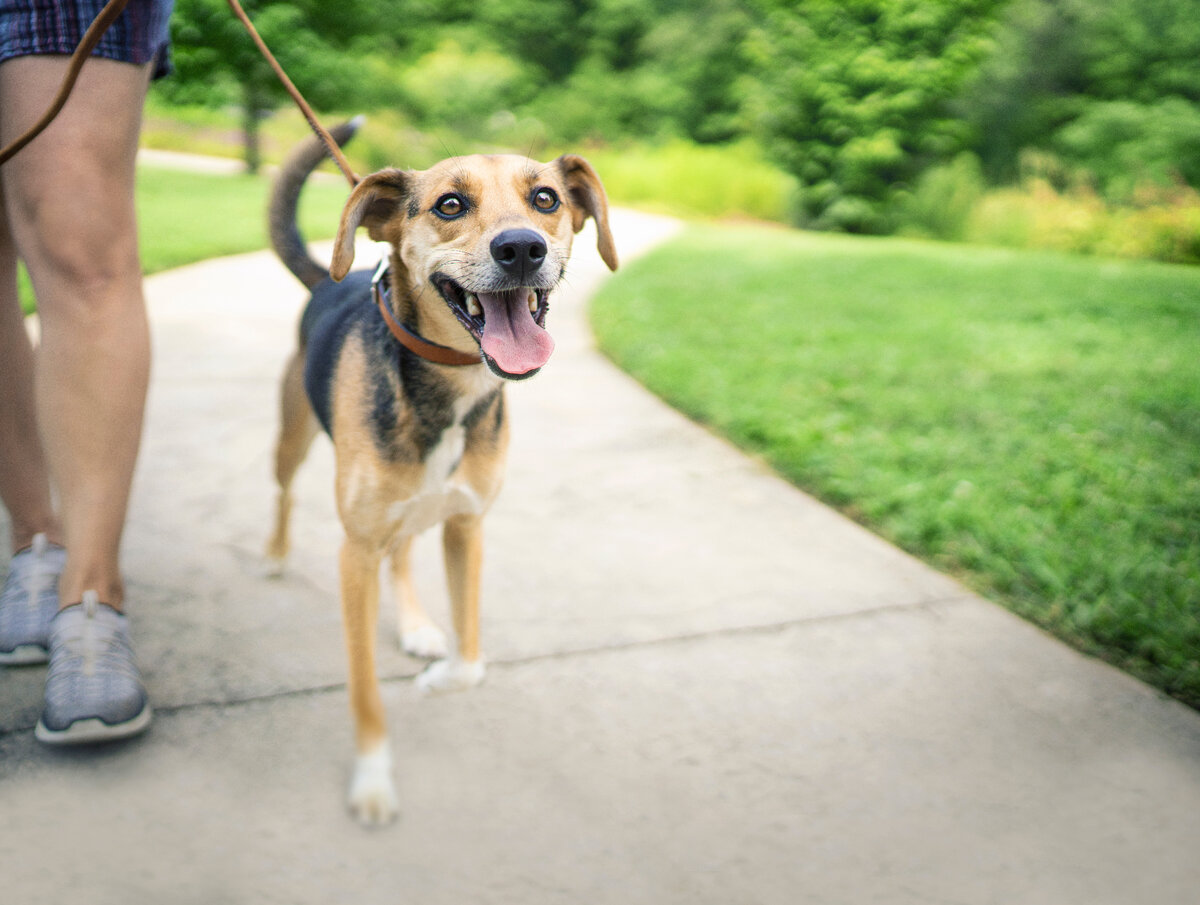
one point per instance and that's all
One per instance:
(485, 239)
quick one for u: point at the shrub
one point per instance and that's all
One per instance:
(695, 180)
(945, 196)
(1126, 145)
(855, 98)
(1166, 227)
(461, 87)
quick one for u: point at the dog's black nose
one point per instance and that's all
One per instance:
(519, 251)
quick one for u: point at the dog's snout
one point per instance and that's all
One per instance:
(519, 251)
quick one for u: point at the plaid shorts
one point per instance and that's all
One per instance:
(139, 35)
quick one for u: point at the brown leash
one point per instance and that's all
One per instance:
(104, 21)
(332, 146)
(91, 38)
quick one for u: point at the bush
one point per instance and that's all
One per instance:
(1125, 145)
(945, 196)
(462, 88)
(855, 99)
(695, 180)
(1166, 227)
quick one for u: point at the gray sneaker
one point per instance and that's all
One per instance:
(93, 690)
(28, 601)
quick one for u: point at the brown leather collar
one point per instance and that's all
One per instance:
(442, 355)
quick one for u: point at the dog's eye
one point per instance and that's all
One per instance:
(545, 200)
(449, 206)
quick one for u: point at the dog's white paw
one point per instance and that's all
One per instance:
(426, 642)
(372, 798)
(450, 675)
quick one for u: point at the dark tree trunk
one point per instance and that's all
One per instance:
(252, 114)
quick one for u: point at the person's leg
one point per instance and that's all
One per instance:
(29, 593)
(24, 481)
(69, 199)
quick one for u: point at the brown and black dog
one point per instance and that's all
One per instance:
(477, 246)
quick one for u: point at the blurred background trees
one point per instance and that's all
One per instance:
(886, 114)
(857, 98)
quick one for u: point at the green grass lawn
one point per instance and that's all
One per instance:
(185, 217)
(1029, 422)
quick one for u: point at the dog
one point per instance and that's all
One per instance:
(405, 370)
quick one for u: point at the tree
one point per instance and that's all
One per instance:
(1112, 88)
(217, 63)
(1030, 84)
(700, 48)
(856, 97)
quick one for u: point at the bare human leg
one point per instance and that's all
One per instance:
(69, 203)
(24, 476)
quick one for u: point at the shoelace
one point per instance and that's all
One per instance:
(94, 647)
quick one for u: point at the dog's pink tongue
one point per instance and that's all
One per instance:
(511, 336)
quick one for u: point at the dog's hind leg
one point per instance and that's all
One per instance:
(419, 637)
(372, 794)
(297, 427)
(462, 540)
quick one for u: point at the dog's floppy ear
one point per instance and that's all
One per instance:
(373, 202)
(588, 200)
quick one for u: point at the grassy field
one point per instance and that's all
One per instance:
(185, 217)
(1029, 422)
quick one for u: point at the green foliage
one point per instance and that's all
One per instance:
(218, 64)
(1164, 225)
(607, 68)
(945, 197)
(597, 105)
(1029, 86)
(1027, 421)
(734, 180)
(681, 178)
(1125, 144)
(462, 89)
(699, 52)
(866, 104)
(856, 96)
(1142, 50)
(1059, 62)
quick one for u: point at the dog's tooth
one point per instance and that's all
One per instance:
(533, 303)
(473, 307)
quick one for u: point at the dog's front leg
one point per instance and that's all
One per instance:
(372, 793)
(419, 637)
(462, 542)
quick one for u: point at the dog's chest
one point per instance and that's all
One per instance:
(443, 492)
(409, 499)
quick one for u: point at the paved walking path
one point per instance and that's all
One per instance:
(704, 687)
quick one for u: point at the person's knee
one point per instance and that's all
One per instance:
(80, 246)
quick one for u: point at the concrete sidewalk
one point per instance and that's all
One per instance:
(704, 687)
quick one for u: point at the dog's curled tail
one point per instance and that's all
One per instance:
(285, 196)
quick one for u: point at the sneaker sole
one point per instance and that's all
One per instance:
(90, 731)
(25, 655)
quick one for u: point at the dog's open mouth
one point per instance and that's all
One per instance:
(510, 325)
